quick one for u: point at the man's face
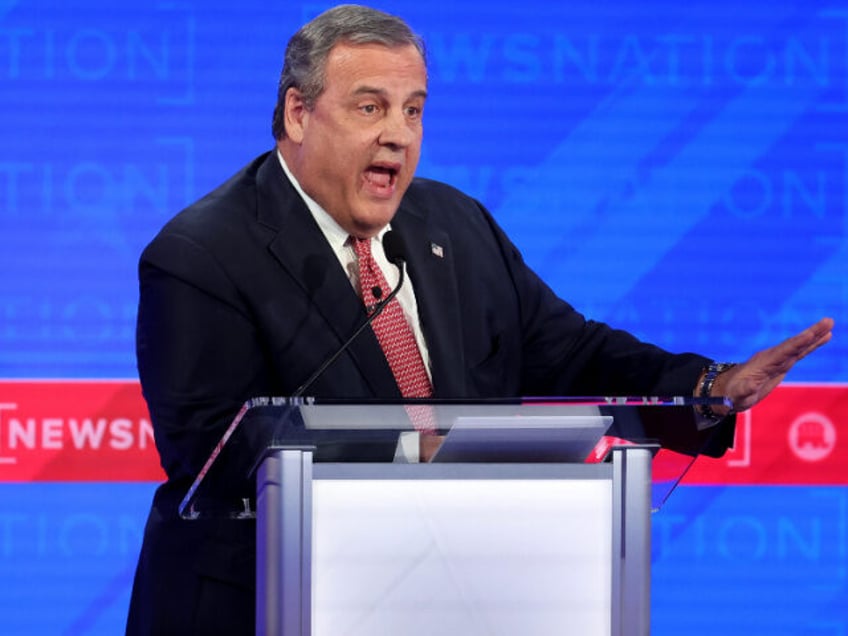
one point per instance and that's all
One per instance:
(355, 152)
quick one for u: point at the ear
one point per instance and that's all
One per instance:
(296, 115)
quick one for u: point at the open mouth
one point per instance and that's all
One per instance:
(381, 178)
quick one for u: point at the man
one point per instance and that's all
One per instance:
(248, 291)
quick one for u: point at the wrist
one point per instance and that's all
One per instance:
(705, 390)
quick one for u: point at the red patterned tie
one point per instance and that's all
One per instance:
(392, 330)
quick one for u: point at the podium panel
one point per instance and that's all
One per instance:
(461, 556)
(455, 549)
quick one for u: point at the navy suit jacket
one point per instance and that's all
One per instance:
(241, 296)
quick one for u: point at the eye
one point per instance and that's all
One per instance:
(413, 112)
(368, 109)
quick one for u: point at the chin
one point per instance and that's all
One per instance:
(380, 213)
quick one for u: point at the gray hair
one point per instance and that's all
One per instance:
(309, 48)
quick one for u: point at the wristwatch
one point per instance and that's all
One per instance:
(710, 375)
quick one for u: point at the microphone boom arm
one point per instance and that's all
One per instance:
(395, 253)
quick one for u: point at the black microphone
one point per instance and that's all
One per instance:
(395, 251)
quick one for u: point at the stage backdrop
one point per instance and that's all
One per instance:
(677, 169)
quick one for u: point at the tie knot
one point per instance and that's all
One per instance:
(362, 247)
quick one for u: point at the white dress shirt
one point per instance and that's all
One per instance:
(408, 444)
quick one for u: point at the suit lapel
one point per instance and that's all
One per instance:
(301, 249)
(431, 267)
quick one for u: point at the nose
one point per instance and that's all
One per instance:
(398, 132)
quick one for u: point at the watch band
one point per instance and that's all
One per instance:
(710, 375)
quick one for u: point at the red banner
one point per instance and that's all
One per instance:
(65, 430)
(76, 431)
(797, 435)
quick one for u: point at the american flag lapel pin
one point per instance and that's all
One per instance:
(437, 250)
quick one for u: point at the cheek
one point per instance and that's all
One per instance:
(412, 163)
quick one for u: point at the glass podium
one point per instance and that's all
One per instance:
(533, 516)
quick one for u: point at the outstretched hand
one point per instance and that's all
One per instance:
(748, 383)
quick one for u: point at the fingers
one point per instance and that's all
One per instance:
(748, 383)
(796, 347)
(820, 332)
(812, 338)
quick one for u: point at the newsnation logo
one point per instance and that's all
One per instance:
(76, 431)
(58, 430)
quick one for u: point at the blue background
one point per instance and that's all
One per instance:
(677, 169)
